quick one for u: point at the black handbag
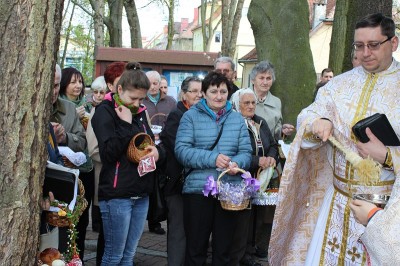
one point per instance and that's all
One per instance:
(380, 127)
(157, 206)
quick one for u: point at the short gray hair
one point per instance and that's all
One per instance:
(58, 70)
(154, 74)
(99, 84)
(225, 59)
(263, 67)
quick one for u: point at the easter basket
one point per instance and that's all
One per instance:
(137, 147)
(236, 196)
(62, 218)
(269, 187)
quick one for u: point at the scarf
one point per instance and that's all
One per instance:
(119, 102)
(154, 99)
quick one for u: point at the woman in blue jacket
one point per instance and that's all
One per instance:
(198, 130)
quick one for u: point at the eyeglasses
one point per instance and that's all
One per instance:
(194, 91)
(359, 46)
(101, 92)
(247, 103)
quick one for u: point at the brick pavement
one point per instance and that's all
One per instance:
(152, 249)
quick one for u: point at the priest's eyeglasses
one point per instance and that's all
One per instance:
(359, 46)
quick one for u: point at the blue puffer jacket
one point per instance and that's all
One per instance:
(198, 130)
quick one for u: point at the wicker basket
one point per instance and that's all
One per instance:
(158, 119)
(227, 205)
(270, 195)
(134, 152)
(62, 221)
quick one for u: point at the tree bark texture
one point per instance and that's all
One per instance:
(114, 22)
(281, 35)
(231, 15)
(171, 31)
(98, 15)
(347, 14)
(134, 25)
(28, 46)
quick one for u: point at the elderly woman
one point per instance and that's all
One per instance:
(203, 155)
(190, 94)
(99, 88)
(265, 154)
(269, 107)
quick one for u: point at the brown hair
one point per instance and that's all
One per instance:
(134, 78)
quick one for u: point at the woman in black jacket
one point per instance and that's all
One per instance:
(190, 94)
(123, 194)
(265, 154)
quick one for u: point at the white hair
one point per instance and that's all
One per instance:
(237, 96)
(154, 74)
(99, 84)
(58, 70)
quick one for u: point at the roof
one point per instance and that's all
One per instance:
(155, 56)
(249, 57)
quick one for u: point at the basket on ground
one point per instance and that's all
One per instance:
(234, 196)
(137, 147)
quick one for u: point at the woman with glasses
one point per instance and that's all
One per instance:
(265, 154)
(204, 156)
(190, 94)
(99, 88)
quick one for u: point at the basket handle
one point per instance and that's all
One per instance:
(143, 134)
(226, 171)
(157, 114)
(275, 169)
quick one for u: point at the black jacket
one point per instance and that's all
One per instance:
(268, 143)
(173, 168)
(119, 178)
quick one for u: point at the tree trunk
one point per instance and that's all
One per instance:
(231, 15)
(347, 14)
(134, 25)
(28, 46)
(98, 15)
(114, 22)
(171, 30)
(207, 28)
(280, 30)
(67, 34)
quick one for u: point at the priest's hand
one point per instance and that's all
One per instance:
(374, 148)
(322, 128)
(361, 209)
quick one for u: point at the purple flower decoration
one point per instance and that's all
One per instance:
(251, 182)
(210, 186)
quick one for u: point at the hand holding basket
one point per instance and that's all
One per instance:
(137, 147)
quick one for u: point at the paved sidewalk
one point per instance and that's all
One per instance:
(152, 249)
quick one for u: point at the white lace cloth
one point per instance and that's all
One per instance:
(265, 198)
(77, 158)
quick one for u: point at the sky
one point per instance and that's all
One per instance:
(154, 16)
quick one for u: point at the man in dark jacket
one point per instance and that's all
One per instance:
(226, 66)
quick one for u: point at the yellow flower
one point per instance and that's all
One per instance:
(61, 213)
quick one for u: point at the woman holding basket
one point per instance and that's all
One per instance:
(211, 138)
(123, 193)
(265, 155)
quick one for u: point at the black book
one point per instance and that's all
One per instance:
(61, 181)
(380, 127)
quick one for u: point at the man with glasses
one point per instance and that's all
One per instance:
(313, 223)
(226, 66)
